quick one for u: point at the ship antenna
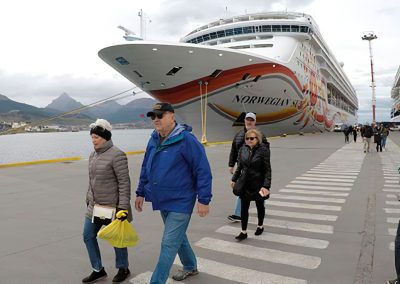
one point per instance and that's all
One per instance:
(140, 14)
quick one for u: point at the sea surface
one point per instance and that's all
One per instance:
(26, 147)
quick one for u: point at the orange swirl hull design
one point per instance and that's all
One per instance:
(305, 109)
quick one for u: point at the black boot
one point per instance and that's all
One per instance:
(122, 274)
(95, 276)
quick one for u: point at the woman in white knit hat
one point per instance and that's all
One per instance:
(109, 185)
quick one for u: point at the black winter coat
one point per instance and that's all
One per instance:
(257, 163)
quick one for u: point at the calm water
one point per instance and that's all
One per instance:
(41, 146)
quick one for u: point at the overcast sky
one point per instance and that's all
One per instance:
(50, 47)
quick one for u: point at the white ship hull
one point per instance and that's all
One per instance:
(210, 86)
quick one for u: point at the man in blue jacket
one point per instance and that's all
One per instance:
(175, 172)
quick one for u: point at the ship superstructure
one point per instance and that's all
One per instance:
(395, 94)
(274, 64)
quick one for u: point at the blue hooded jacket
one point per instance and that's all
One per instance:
(175, 172)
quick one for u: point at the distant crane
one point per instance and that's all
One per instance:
(129, 35)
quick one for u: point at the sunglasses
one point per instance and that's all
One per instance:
(251, 138)
(159, 116)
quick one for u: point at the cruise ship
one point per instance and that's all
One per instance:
(395, 112)
(275, 64)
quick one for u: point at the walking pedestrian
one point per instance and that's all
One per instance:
(175, 172)
(384, 135)
(109, 185)
(378, 138)
(367, 134)
(254, 163)
(346, 132)
(355, 133)
(237, 143)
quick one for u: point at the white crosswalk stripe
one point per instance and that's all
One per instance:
(292, 225)
(336, 188)
(314, 192)
(392, 220)
(330, 176)
(324, 179)
(278, 238)
(392, 210)
(144, 278)
(297, 215)
(333, 173)
(241, 274)
(321, 183)
(308, 198)
(304, 205)
(392, 185)
(263, 254)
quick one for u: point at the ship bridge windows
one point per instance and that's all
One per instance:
(228, 32)
(303, 29)
(266, 29)
(221, 34)
(276, 28)
(248, 30)
(213, 35)
(239, 32)
(295, 29)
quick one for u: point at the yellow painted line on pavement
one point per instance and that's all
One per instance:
(21, 164)
(135, 152)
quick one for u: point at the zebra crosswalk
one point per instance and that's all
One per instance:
(300, 215)
(390, 163)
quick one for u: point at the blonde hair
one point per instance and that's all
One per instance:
(256, 132)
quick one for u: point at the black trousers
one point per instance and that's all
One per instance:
(245, 212)
(379, 146)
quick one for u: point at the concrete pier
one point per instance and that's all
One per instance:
(331, 218)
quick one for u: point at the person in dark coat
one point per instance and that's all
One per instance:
(355, 133)
(366, 133)
(378, 138)
(237, 143)
(254, 158)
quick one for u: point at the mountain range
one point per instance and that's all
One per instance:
(12, 111)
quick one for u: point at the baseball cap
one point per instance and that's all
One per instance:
(160, 108)
(250, 115)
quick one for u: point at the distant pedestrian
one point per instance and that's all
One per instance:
(237, 143)
(346, 132)
(384, 135)
(254, 162)
(378, 138)
(367, 133)
(175, 172)
(109, 185)
(355, 133)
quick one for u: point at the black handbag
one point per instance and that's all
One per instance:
(238, 188)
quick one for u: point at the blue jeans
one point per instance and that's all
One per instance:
(174, 241)
(238, 207)
(383, 141)
(90, 238)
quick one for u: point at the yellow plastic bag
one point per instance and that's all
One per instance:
(119, 234)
